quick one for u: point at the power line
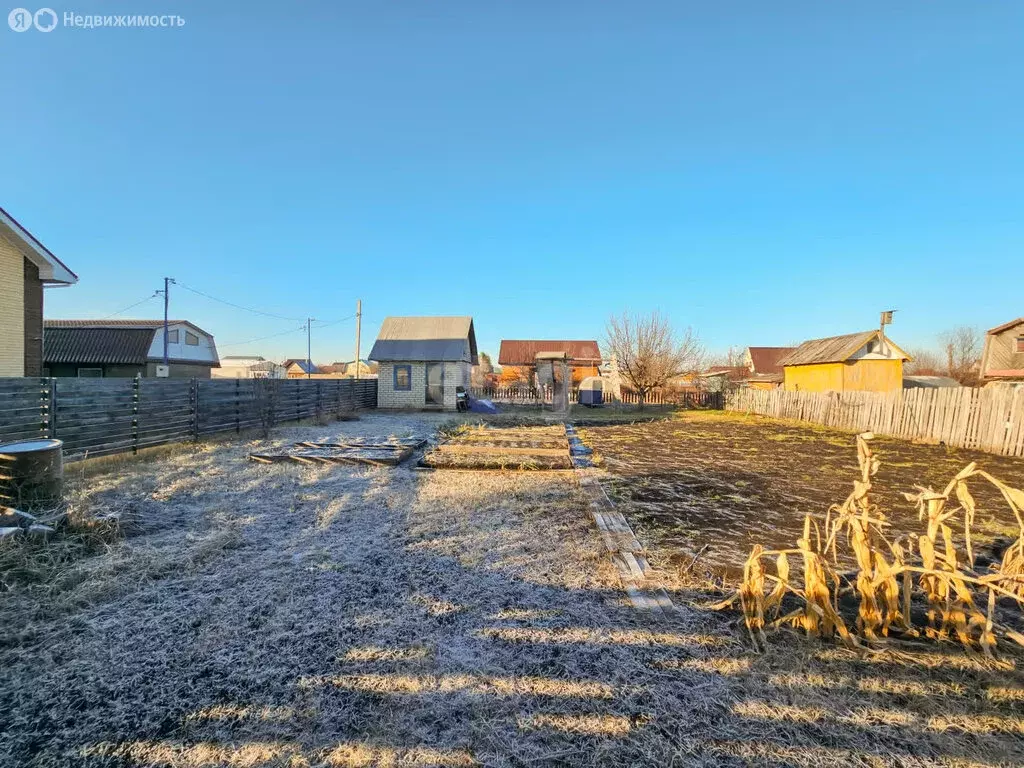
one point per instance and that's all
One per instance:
(263, 338)
(335, 322)
(130, 306)
(232, 304)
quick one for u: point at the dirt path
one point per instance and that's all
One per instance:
(345, 616)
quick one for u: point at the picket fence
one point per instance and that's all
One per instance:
(521, 395)
(97, 417)
(987, 419)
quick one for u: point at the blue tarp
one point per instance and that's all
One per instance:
(481, 406)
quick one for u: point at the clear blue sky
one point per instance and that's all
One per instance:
(764, 172)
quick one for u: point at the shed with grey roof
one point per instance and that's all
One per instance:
(422, 361)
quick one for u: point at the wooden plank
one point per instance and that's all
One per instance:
(460, 448)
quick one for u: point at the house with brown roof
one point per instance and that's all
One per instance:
(110, 348)
(1003, 356)
(855, 362)
(762, 364)
(518, 357)
(26, 268)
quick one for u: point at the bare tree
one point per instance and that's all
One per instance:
(649, 353)
(480, 371)
(963, 352)
(925, 362)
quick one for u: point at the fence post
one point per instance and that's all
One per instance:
(194, 397)
(52, 406)
(135, 415)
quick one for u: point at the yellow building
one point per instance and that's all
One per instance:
(856, 362)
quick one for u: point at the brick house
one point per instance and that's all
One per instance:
(26, 267)
(422, 360)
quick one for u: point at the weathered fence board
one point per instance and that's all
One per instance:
(987, 419)
(523, 395)
(98, 417)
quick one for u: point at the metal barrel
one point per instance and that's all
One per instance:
(31, 473)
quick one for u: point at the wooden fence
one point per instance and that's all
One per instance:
(989, 419)
(104, 416)
(520, 395)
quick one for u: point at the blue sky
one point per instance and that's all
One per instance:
(763, 172)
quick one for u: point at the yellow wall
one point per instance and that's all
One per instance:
(12, 310)
(852, 376)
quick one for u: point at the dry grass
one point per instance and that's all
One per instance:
(278, 615)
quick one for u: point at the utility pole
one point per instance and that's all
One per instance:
(359, 322)
(167, 297)
(309, 361)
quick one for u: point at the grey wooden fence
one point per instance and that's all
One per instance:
(989, 419)
(98, 417)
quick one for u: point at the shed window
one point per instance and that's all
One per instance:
(403, 378)
(1020, 343)
(191, 339)
(90, 373)
(172, 336)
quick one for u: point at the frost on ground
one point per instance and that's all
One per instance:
(280, 615)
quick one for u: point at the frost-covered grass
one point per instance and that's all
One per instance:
(279, 615)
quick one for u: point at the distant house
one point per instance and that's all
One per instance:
(243, 367)
(719, 378)
(104, 348)
(762, 363)
(864, 362)
(367, 370)
(422, 360)
(517, 357)
(1003, 357)
(299, 369)
(26, 267)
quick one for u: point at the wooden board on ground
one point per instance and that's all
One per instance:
(498, 448)
(355, 451)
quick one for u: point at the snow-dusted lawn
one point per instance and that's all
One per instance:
(280, 615)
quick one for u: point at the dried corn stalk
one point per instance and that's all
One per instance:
(888, 571)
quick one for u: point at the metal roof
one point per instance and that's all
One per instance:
(523, 351)
(126, 346)
(833, 349)
(1005, 326)
(426, 339)
(119, 323)
(766, 359)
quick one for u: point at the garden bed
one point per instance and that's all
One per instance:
(716, 483)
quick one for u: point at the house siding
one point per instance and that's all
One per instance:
(33, 297)
(1001, 351)
(864, 375)
(12, 310)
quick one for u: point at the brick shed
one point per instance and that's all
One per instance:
(422, 360)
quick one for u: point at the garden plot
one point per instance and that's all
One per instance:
(713, 484)
(502, 448)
